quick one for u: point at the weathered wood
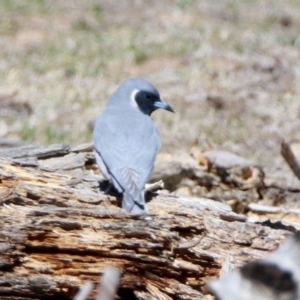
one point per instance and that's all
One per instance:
(57, 231)
(9, 143)
(35, 151)
(275, 277)
(226, 177)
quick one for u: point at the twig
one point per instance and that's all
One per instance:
(226, 267)
(290, 158)
(108, 284)
(152, 187)
(260, 208)
(107, 287)
(85, 291)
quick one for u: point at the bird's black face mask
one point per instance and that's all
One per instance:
(148, 102)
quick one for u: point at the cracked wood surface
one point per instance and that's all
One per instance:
(56, 231)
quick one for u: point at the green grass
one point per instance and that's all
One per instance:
(28, 132)
(64, 58)
(25, 7)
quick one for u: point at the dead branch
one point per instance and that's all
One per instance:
(290, 158)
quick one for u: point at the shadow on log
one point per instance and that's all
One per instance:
(57, 231)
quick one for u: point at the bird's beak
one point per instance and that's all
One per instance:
(163, 105)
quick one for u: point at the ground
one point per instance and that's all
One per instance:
(230, 69)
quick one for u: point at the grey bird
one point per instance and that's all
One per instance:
(126, 140)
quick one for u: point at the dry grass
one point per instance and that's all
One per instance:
(229, 68)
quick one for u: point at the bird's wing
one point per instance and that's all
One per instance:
(128, 149)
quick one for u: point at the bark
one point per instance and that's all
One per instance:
(58, 230)
(277, 276)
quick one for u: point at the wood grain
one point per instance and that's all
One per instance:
(57, 231)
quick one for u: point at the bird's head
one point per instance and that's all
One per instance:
(145, 97)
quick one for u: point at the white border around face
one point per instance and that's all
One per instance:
(132, 98)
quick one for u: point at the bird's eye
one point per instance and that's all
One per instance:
(148, 96)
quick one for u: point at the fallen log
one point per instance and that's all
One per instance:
(58, 230)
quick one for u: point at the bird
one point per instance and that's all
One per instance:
(126, 140)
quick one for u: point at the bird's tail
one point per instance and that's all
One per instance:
(134, 204)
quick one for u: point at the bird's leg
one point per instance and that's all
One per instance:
(105, 186)
(108, 189)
